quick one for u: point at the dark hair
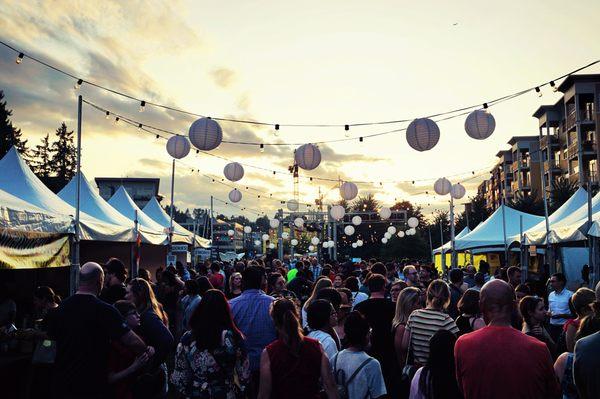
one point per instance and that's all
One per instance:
(252, 277)
(286, 321)
(331, 295)
(479, 278)
(469, 303)
(203, 285)
(589, 325)
(560, 277)
(192, 288)
(117, 267)
(528, 304)
(436, 382)
(438, 293)
(346, 292)
(272, 279)
(582, 300)
(512, 270)
(379, 268)
(145, 274)
(523, 289)
(215, 267)
(210, 318)
(351, 283)
(47, 294)
(318, 314)
(356, 329)
(376, 283)
(456, 276)
(125, 307)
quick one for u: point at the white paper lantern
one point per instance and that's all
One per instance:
(299, 222)
(274, 223)
(265, 237)
(178, 146)
(387, 235)
(442, 186)
(348, 191)
(325, 244)
(331, 243)
(230, 233)
(354, 245)
(247, 229)
(271, 246)
(458, 191)
(349, 230)
(391, 230)
(308, 156)
(311, 248)
(257, 242)
(294, 242)
(422, 134)
(233, 171)
(206, 134)
(359, 243)
(384, 240)
(285, 235)
(315, 241)
(411, 231)
(413, 222)
(385, 213)
(356, 220)
(400, 234)
(480, 124)
(292, 205)
(235, 195)
(337, 212)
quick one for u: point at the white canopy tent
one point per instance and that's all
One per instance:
(447, 246)
(19, 215)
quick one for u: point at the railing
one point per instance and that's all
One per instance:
(572, 150)
(586, 114)
(589, 146)
(553, 165)
(553, 139)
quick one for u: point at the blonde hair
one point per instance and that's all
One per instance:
(233, 275)
(438, 294)
(406, 303)
(146, 300)
(319, 285)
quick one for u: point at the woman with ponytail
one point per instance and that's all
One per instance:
(292, 365)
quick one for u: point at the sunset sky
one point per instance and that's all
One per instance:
(330, 62)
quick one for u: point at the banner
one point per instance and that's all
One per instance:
(32, 250)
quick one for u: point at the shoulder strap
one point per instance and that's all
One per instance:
(335, 359)
(362, 365)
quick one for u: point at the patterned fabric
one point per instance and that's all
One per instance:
(423, 324)
(222, 374)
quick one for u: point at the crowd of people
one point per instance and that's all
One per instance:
(271, 329)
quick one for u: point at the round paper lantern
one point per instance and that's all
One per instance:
(354, 245)
(480, 124)
(385, 213)
(349, 230)
(384, 240)
(337, 212)
(325, 244)
(311, 248)
(413, 222)
(348, 191)
(271, 246)
(442, 186)
(294, 242)
(235, 195)
(308, 156)
(178, 146)
(257, 242)
(206, 134)
(391, 230)
(265, 237)
(411, 231)
(285, 235)
(299, 222)
(356, 220)
(274, 223)
(400, 234)
(247, 229)
(315, 241)
(233, 171)
(230, 233)
(458, 191)
(387, 235)
(359, 243)
(331, 243)
(292, 205)
(422, 134)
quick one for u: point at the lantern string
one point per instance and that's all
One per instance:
(22, 54)
(251, 210)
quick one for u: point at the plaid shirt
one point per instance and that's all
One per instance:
(316, 271)
(251, 315)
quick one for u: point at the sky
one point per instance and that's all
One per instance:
(314, 62)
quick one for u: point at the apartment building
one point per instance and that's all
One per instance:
(525, 167)
(499, 184)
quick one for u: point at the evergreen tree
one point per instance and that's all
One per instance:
(64, 157)
(366, 203)
(9, 135)
(42, 159)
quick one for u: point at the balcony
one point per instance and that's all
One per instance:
(553, 140)
(553, 166)
(586, 115)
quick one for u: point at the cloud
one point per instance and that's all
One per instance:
(223, 77)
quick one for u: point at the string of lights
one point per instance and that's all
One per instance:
(79, 81)
(251, 210)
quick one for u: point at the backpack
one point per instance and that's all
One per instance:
(340, 377)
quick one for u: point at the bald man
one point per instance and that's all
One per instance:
(499, 361)
(83, 327)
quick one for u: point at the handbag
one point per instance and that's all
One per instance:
(409, 369)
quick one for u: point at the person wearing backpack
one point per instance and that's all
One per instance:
(357, 375)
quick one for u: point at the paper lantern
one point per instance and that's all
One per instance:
(411, 231)
(315, 241)
(337, 212)
(271, 246)
(265, 237)
(230, 233)
(391, 230)
(292, 205)
(413, 222)
(400, 234)
(294, 242)
(331, 243)
(299, 222)
(442, 186)
(359, 243)
(348, 191)
(356, 220)
(325, 244)
(285, 235)
(257, 242)
(308, 156)
(274, 223)
(354, 245)
(349, 230)
(235, 195)
(206, 134)
(422, 134)
(247, 229)
(480, 124)
(233, 171)
(458, 191)
(178, 146)
(384, 240)
(387, 235)
(385, 213)
(311, 248)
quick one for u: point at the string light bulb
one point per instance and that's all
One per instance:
(107, 115)
(19, 58)
(117, 119)
(78, 84)
(276, 132)
(553, 85)
(142, 106)
(360, 139)
(261, 147)
(538, 91)
(139, 127)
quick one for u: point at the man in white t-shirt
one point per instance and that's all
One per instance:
(558, 304)
(358, 373)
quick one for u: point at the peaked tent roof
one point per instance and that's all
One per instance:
(446, 246)
(490, 232)
(158, 214)
(20, 215)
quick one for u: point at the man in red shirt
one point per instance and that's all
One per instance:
(498, 361)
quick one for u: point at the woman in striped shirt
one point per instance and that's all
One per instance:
(423, 323)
